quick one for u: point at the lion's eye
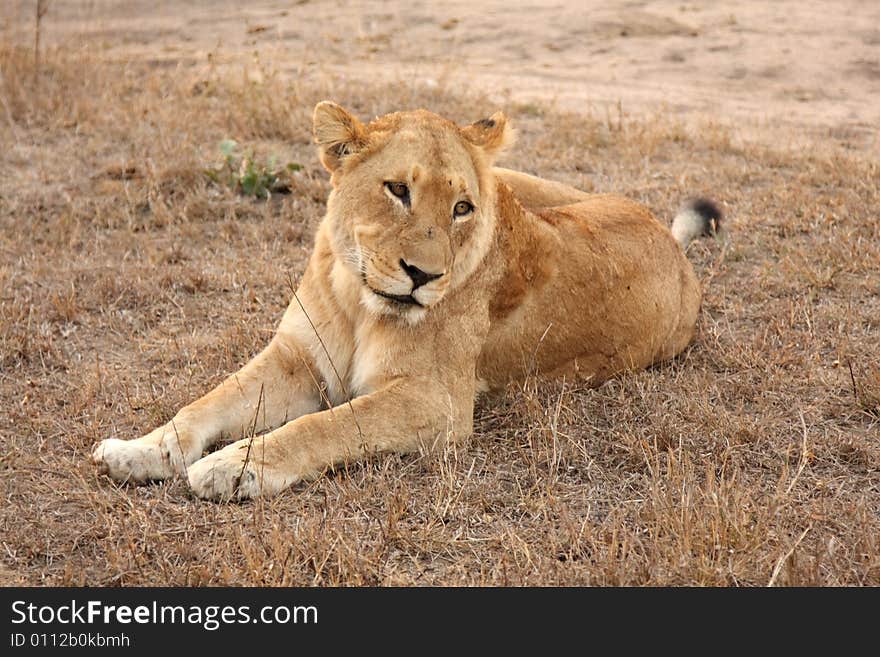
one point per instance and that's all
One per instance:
(399, 189)
(462, 208)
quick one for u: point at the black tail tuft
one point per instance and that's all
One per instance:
(709, 212)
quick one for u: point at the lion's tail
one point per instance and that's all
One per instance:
(696, 218)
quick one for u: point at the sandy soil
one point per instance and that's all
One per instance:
(786, 71)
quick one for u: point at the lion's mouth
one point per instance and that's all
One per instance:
(403, 299)
(406, 299)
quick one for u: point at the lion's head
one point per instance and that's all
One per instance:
(412, 202)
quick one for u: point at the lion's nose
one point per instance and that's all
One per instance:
(418, 276)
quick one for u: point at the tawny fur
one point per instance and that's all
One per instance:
(539, 279)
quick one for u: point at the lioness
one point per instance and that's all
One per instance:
(434, 277)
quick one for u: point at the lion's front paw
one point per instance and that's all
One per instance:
(129, 460)
(158, 455)
(232, 473)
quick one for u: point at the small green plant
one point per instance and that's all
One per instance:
(240, 171)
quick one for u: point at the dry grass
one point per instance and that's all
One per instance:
(129, 286)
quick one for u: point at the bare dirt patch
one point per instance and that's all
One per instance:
(782, 72)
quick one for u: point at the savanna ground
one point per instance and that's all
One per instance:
(130, 283)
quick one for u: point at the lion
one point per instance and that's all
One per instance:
(435, 277)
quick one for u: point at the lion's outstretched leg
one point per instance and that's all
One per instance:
(274, 387)
(304, 448)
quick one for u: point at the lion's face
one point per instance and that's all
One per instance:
(412, 203)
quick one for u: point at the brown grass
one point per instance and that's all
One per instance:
(129, 286)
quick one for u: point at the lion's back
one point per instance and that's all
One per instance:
(615, 292)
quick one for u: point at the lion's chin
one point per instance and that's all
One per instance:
(405, 307)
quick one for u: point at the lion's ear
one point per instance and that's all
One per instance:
(493, 135)
(337, 133)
